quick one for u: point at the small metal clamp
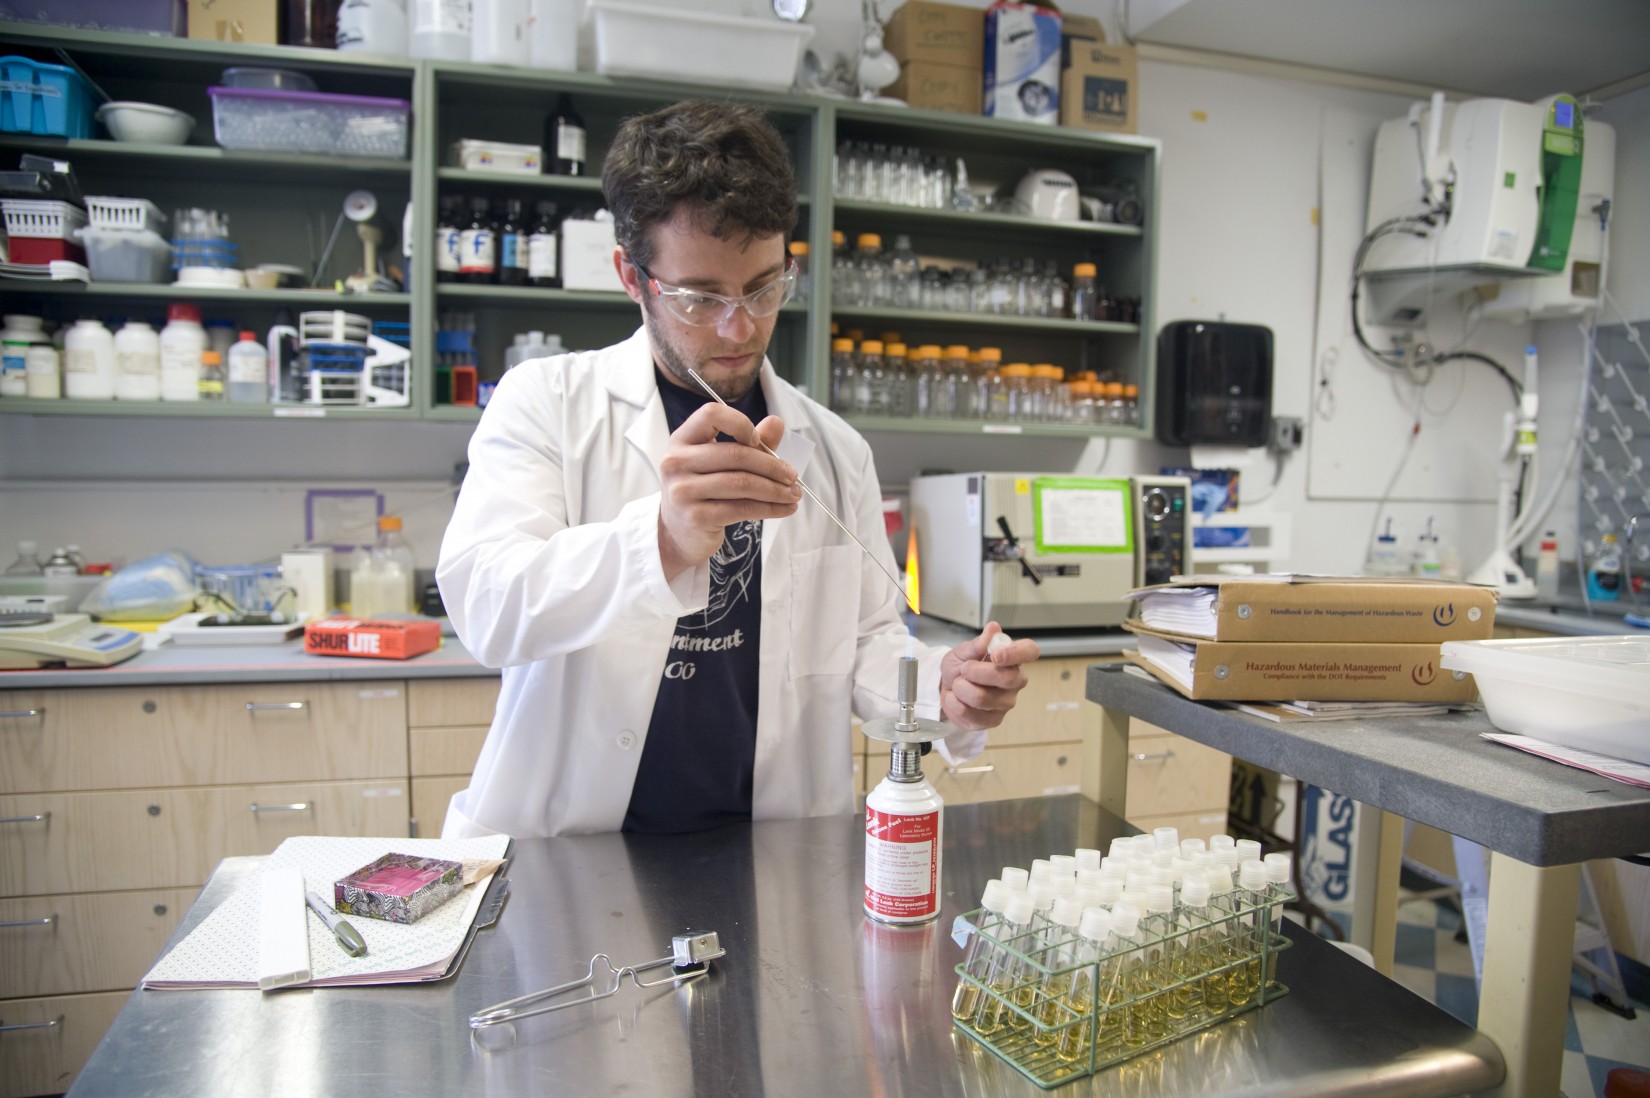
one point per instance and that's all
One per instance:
(691, 954)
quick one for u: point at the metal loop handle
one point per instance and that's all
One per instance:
(258, 707)
(1161, 756)
(47, 921)
(38, 817)
(18, 1028)
(300, 806)
(41, 712)
(986, 769)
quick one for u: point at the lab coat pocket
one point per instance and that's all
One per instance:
(824, 611)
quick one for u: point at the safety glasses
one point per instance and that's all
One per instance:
(702, 309)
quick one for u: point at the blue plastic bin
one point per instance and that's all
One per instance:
(50, 100)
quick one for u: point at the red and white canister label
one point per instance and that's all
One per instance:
(902, 864)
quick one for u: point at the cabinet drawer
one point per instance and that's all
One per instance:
(1049, 708)
(97, 941)
(46, 1060)
(172, 838)
(435, 703)
(429, 803)
(1002, 773)
(445, 750)
(1171, 775)
(139, 737)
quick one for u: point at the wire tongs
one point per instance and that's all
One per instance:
(691, 954)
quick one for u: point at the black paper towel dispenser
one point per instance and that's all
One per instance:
(1214, 383)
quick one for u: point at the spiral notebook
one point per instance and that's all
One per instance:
(223, 951)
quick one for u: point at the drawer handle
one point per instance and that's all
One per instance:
(986, 769)
(53, 1024)
(47, 921)
(39, 817)
(301, 806)
(41, 712)
(258, 707)
(1161, 756)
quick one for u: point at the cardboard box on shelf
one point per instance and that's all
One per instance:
(234, 21)
(1083, 29)
(1099, 89)
(1301, 609)
(1262, 671)
(939, 34)
(1022, 62)
(587, 256)
(938, 87)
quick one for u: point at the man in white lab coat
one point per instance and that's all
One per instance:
(682, 636)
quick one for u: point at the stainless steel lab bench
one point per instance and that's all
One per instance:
(812, 998)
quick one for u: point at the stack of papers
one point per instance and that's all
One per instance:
(1287, 712)
(1188, 610)
(223, 950)
(1606, 766)
(1170, 657)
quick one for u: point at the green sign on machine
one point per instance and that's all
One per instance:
(1560, 187)
(1081, 515)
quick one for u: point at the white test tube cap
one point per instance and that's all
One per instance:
(1067, 912)
(1220, 842)
(1087, 858)
(1125, 919)
(996, 894)
(1089, 896)
(1132, 898)
(1114, 869)
(1041, 868)
(1163, 856)
(1248, 848)
(1063, 863)
(1219, 878)
(1195, 892)
(1095, 924)
(1159, 898)
(1139, 876)
(1014, 878)
(1119, 847)
(1111, 890)
(1017, 908)
(1063, 886)
(1166, 838)
(1277, 867)
(1162, 875)
(1252, 875)
(1188, 847)
(1041, 893)
(1088, 878)
(998, 641)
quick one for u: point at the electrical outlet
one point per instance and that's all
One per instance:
(1286, 434)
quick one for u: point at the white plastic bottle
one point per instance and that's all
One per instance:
(498, 34)
(43, 372)
(89, 361)
(19, 334)
(439, 29)
(1546, 568)
(248, 373)
(182, 343)
(373, 26)
(903, 828)
(553, 34)
(137, 362)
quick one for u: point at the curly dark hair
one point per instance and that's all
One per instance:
(725, 161)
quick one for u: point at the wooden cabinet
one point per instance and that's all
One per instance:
(447, 721)
(116, 803)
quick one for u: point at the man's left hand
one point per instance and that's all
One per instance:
(978, 686)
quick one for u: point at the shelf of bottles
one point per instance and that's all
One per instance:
(1059, 1001)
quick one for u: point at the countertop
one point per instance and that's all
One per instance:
(811, 998)
(187, 665)
(1572, 620)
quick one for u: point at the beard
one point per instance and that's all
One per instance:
(675, 361)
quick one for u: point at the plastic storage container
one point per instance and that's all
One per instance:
(124, 213)
(123, 255)
(1586, 692)
(50, 100)
(42, 219)
(310, 122)
(645, 40)
(496, 156)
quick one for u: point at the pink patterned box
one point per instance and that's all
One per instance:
(401, 888)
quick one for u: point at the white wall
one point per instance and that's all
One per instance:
(1243, 167)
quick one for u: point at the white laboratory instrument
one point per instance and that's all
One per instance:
(1500, 570)
(62, 640)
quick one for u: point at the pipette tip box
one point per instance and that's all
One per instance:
(400, 888)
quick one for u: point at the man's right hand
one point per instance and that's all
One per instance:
(709, 485)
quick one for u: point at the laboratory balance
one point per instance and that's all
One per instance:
(31, 639)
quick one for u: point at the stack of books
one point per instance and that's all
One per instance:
(1309, 638)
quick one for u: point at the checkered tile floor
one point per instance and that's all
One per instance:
(1430, 962)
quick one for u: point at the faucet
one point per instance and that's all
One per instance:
(1627, 553)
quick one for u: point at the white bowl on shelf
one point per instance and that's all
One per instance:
(230, 278)
(145, 123)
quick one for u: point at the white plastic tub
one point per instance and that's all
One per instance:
(666, 43)
(1586, 692)
(496, 156)
(126, 255)
(310, 122)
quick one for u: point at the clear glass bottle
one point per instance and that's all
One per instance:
(1084, 293)
(1131, 405)
(211, 381)
(1093, 930)
(982, 947)
(844, 272)
(952, 400)
(902, 384)
(870, 273)
(871, 387)
(397, 570)
(844, 375)
(1005, 974)
(1056, 292)
(1061, 947)
(1279, 873)
(1016, 392)
(903, 274)
(799, 256)
(27, 562)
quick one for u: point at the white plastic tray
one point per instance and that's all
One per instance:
(1586, 692)
(187, 629)
(653, 40)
